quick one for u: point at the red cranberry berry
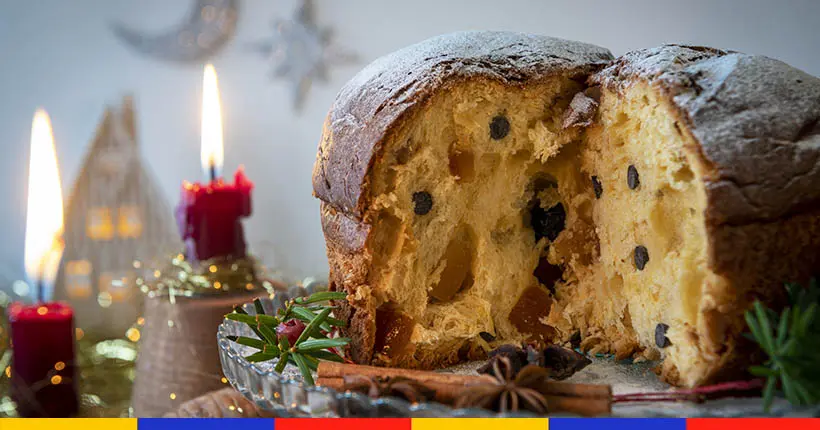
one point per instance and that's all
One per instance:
(292, 329)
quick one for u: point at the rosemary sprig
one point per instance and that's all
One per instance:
(313, 343)
(790, 340)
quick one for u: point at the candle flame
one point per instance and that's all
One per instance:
(44, 215)
(212, 152)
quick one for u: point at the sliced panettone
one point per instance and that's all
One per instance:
(475, 186)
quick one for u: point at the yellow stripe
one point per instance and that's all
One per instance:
(68, 424)
(480, 423)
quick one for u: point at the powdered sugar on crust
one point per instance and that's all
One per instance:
(756, 119)
(378, 96)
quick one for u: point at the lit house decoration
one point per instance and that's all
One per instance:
(117, 222)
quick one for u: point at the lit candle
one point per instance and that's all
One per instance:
(43, 381)
(209, 215)
(212, 152)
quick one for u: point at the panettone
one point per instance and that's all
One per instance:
(489, 187)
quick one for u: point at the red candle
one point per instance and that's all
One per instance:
(209, 217)
(43, 374)
(43, 378)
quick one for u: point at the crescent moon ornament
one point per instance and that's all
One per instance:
(209, 26)
(301, 52)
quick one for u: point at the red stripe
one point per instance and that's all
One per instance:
(342, 424)
(753, 423)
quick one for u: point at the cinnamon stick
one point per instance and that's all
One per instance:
(566, 389)
(448, 393)
(332, 369)
(445, 393)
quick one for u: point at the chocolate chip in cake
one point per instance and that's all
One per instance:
(632, 178)
(660, 335)
(422, 202)
(597, 187)
(487, 336)
(499, 127)
(548, 223)
(641, 257)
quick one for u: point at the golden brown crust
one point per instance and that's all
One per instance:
(349, 264)
(381, 96)
(775, 252)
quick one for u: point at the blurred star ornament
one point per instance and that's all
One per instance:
(301, 52)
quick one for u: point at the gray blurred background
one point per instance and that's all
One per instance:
(62, 55)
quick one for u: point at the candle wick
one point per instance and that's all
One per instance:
(212, 172)
(41, 291)
(40, 282)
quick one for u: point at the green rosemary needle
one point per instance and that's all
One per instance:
(790, 341)
(257, 304)
(247, 341)
(322, 296)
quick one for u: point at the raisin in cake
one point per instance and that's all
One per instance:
(490, 187)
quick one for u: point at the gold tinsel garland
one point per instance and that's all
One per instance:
(214, 276)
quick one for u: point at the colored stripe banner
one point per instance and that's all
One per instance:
(68, 423)
(411, 424)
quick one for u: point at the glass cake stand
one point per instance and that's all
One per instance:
(287, 396)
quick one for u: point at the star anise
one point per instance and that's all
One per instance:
(509, 392)
(397, 386)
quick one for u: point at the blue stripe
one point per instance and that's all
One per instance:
(617, 424)
(205, 424)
